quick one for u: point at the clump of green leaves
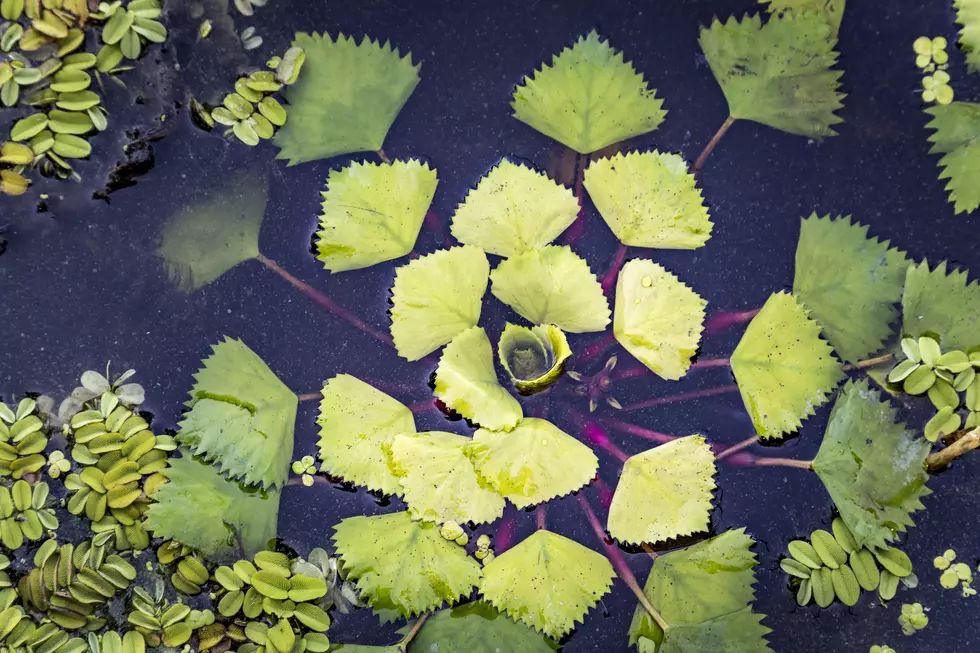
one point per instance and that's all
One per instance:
(830, 566)
(23, 439)
(913, 618)
(954, 573)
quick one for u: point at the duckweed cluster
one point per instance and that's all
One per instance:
(45, 66)
(932, 58)
(913, 618)
(251, 112)
(954, 573)
(832, 566)
(942, 376)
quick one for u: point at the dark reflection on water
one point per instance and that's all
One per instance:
(79, 283)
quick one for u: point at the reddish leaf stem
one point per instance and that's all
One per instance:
(744, 444)
(683, 396)
(575, 231)
(710, 147)
(765, 461)
(619, 563)
(383, 156)
(711, 362)
(633, 429)
(719, 322)
(541, 516)
(612, 274)
(596, 349)
(324, 301)
(595, 435)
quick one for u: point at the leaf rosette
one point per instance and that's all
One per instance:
(534, 358)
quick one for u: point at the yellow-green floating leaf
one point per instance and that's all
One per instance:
(534, 463)
(968, 16)
(783, 369)
(404, 565)
(872, 466)
(437, 297)
(831, 10)
(215, 231)
(704, 594)
(199, 507)
(373, 213)
(588, 98)
(466, 381)
(356, 422)
(241, 416)
(778, 73)
(850, 283)
(346, 97)
(941, 302)
(552, 285)
(658, 319)
(439, 481)
(649, 199)
(547, 581)
(477, 628)
(512, 210)
(957, 138)
(664, 492)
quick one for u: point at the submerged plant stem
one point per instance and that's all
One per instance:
(383, 156)
(619, 564)
(711, 362)
(683, 396)
(596, 349)
(870, 362)
(744, 444)
(575, 230)
(541, 516)
(966, 443)
(310, 396)
(639, 431)
(402, 645)
(612, 274)
(782, 462)
(712, 144)
(324, 301)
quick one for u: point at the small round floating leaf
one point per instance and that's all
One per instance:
(69, 122)
(305, 588)
(964, 379)
(794, 568)
(865, 569)
(805, 593)
(312, 616)
(70, 81)
(273, 561)
(273, 111)
(149, 29)
(245, 133)
(919, 381)
(28, 127)
(263, 81)
(953, 361)
(902, 370)
(71, 147)
(223, 116)
(108, 58)
(248, 93)
(80, 60)
(943, 422)
(942, 394)
(823, 587)
(887, 586)
(929, 351)
(78, 101)
(21, 495)
(231, 603)
(71, 42)
(117, 26)
(227, 578)
(910, 347)
(16, 154)
(844, 536)
(263, 128)
(831, 553)
(802, 551)
(894, 561)
(271, 584)
(130, 45)
(845, 585)
(238, 105)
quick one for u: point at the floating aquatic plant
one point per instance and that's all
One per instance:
(533, 357)
(831, 10)
(956, 136)
(968, 16)
(347, 98)
(783, 369)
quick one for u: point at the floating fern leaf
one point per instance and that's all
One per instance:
(402, 565)
(704, 594)
(356, 422)
(241, 416)
(957, 138)
(942, 303)
(778, 73)
(783, 369)
(345, 99)
(849, 282)
(873, 467)
(547, 581)
(588, 98)
(373, 213)
(207, 511)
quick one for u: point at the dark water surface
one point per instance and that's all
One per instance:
(80, 284)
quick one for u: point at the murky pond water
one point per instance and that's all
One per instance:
(81, 282)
